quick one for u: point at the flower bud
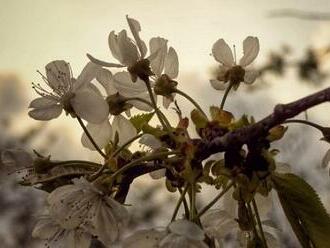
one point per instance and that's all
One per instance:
(165, 86)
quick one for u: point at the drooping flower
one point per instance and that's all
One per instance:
(78, 97)
(83, 205)
(179, 234)
(48, 229)
(229, 70)
(130, 54)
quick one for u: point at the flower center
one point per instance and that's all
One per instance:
(236, 74)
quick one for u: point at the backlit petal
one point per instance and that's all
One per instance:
(172, 63)
(47, 113)
(250, 76)
(250, 50)
(135, 28)
(222, 53)
(218, 85)
(124, 127)
(90, 106)
(128, 50)
(101, 134)
(158, 45)
(58, 74)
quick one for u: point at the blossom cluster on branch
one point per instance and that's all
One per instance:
(86, 200)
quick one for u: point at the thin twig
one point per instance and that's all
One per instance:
(91, 138)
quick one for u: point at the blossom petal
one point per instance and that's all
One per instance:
(90, 106)
(104, 77)
(250, 50)
(218, 223)
(150, 141)
(158, 174)
(42, 102)
(250, 76)
(124, 128)
(218, 85)
(87, 75)
(187, 229)
(158, 45)
(46, 113)
(103, 217)
(45, 228)
(58, 74)
(222, 53)
(135, 28)
(148, 238)
(141, 105)
(222, 73)
(114, 46)
(172, 63)
(101, 134)
(125, 86)
(128, 50)
(168, 100)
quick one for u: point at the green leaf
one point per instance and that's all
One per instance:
(140, 120)
(304, 210)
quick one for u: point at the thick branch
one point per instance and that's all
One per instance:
(129, 177)
(250, 133)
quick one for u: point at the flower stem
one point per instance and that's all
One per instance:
(191, 100)
(142, 159)
(208, 206)
(82, 162)
(185, 204)
(151, 105)
(114, 154)
(225, 96)
(255, 208)
(91, 138)
(192, 202)
(177, 207)
(153, 102)
(253, 220)
(308, 123)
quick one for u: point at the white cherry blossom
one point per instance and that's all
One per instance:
(229, 70)
(75, 96)
(83, 205)
(179, 234)
(183, 234)
(129, 53)
(165, 63)
(55, 236)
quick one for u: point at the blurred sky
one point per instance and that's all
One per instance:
(35, 32)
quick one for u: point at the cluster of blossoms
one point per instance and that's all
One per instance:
(86, 200)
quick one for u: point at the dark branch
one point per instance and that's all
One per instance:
(129, 177)
(250, 133)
